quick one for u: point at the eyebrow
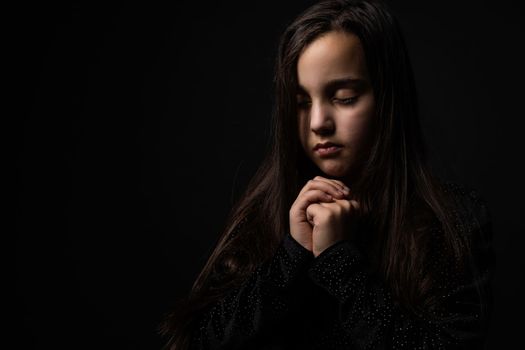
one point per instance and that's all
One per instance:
(339, 83)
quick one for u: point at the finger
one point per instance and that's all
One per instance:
(341, 184)
(341, 206)
(337, 206)
(316, 184)
(310, 218)
(311, 197)
(313, 210)
(319, 185)
(336, 183)
(345, 203)
(325, 185)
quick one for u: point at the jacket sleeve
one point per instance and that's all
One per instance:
(368, 318)
(244, 318)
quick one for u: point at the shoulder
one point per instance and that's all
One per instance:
(470, 212)
(469, 203)
(468, 195)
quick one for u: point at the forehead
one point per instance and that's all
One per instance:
(333, 56)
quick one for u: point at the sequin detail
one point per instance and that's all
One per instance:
(296, 301)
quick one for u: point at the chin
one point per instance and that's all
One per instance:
(334, 170)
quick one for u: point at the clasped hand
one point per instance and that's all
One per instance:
(322, 214)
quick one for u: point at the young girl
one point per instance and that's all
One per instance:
(344, 239)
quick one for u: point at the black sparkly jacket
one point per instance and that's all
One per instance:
(296, 301)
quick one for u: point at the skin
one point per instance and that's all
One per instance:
(342, 113)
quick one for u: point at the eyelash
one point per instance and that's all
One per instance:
(347, 101)
(344, 101)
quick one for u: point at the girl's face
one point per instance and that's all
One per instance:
(335, 103)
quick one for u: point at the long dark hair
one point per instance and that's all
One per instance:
(399, 196)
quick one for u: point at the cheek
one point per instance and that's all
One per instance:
(355, 128)
(362, 119)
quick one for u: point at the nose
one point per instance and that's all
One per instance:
(321, 120)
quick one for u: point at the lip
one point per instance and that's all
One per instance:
(327, 149)
(326, 145)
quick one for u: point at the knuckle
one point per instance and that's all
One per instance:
(312, 194)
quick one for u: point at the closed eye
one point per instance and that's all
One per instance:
(347, 101)
(344, 101)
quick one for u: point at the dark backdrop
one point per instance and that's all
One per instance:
(141, 125)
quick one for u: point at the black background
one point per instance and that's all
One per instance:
(140, 125)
